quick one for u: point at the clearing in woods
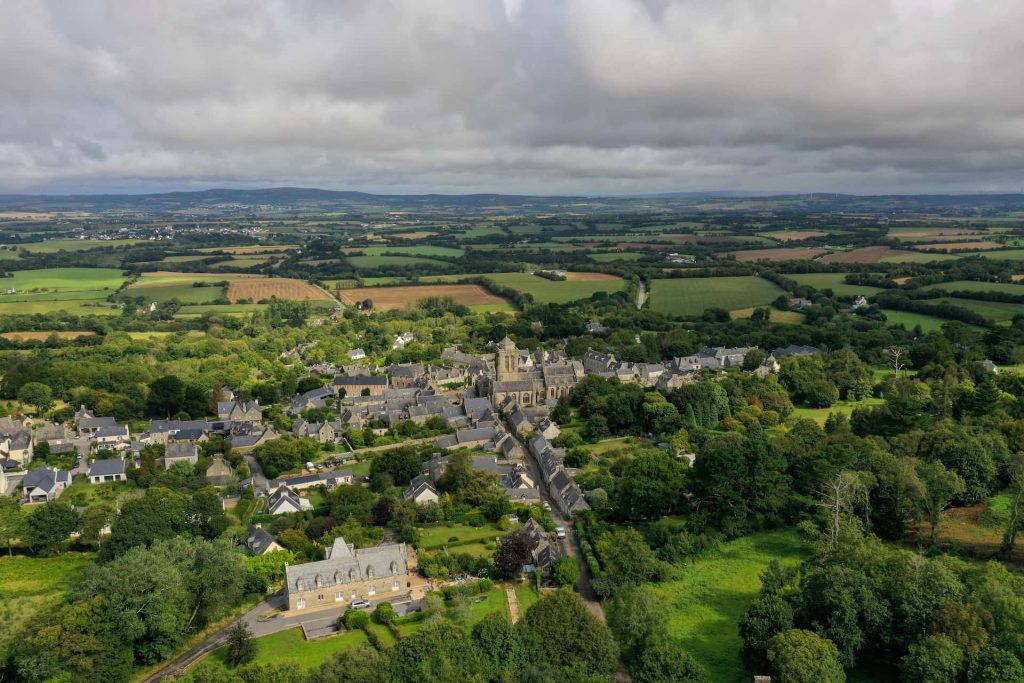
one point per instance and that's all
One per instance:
(390, 298)
(258, 289)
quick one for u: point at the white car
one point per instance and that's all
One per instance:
(547, 506)
(360, 604)
(560, 532)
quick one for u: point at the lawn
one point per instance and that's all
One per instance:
(819, 415)
(435, 537)
(28, 585)
(834, 281)
(546, 291)
(709, 598)
(290, 647)
(691, 296)
(418, 250)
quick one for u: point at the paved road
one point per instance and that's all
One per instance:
(259, 480)
(641, 296)
(390, 446)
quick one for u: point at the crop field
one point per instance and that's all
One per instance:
(55, 245)
(258, 289)
(417, 235)
(708, 598)
(391, 298)
(76, 307)
(909, 233)
(791, 235)
(28, 585)
(365, 261)
(164, 277)
(781, 254)
(243, 262)
(419, 250)
(546, 291)
(834, 281)
(897, 256)
(43, 336)
(251, 249)
(481, 231)
(1005, 255)
(691, 296)
(185, 259)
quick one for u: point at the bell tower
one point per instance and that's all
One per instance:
(507, 365)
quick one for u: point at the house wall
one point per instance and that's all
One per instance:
(327, 596)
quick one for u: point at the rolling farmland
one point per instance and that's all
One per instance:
(691, 296)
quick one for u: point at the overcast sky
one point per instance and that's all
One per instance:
(554, 97)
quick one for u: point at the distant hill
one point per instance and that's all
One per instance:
(311, 199)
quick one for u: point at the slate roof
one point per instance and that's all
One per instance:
(347, 565)
(106, 468)
(259, 539)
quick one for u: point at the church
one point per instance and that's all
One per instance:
(531, 379)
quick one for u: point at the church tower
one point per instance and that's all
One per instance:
(507, 365)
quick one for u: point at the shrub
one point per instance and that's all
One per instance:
(354, 618)
(384, 614)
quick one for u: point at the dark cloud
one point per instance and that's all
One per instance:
(515, 96)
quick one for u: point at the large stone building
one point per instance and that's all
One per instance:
(349, 574)
(518, 376)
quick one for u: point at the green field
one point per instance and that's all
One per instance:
(75, 306)
(435, 537)
(708, 599)
(819, 415)
(995, 310)
(381, 261)
(549, 292)
(691, 296)
(975, 286)
(55, 245)
(480, 231)
(922, 257)
(242, 262)
(28, 585)
(834, 281)
(64, 279)
(928, 323)
(418, 250)
(610, 256)
(186, 294)
(1003, 255)
(290, 647)
(184, 259)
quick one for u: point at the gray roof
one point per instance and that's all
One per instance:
(180, 449)
(96, 422)
(45, 478)
(360, 380)
(259, 540)
(347, 565)
(105, 468)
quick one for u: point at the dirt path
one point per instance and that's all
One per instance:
(513, 604)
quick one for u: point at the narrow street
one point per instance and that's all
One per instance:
(641, 296)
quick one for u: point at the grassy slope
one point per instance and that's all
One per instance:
(691, 296)
(547, 291)
(835, 282)
(65, 279)
(710, 596)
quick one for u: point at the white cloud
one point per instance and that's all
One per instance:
(513, 96)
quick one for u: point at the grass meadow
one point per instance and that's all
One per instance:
(691, 296)
(834, 281)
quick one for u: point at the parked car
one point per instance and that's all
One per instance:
(560, 531)
(360, 604)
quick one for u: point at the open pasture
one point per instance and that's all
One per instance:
(250, 249)
(69, 244)
(691, 296)
(416, 235)
(781, 254)
(159, 278)
(976, 286)
(834, 281)
(391, 298)
(994, 310)
(418, 250)
(64, 279)
(258, 289)
(546, 291)
(185, 293)
(910, 320)
(959, 246)
(368, 262)
(612, 256)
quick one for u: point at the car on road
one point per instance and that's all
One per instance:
(360, 604)
(547, 506)
(560, 531)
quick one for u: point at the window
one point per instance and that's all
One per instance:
(394, 585)
(338, 596)
(372, 590)
(320, 597)
(300, 603)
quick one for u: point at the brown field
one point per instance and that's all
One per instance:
(390, 298)
(943, 246)
(902, 280)
(967, 529)
(1017, 278)
(418, 235)
(43, 336)
(782, 254)
(790, 235)
(932, 232)
(862, 255)
(590, 277)
(258, 289)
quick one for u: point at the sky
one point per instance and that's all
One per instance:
(514, 96)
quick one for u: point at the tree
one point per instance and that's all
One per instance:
(799, 656)
(995, 666)
(384, 613)
(636, 615)
(438, 652)
(936, 659)
(1013, 522)
(12, 521)
(514, 550)
(838, 497)
(499, 642)
(94, 519)
(560, 632)
(37, 394)
(941, 487)
(652, 485)
(355, 619)
(166, 397)
(627, 559)
(158, 515)
(665, 661)
(768, 616)
(241, 646)
(48, 526)
(565, 572)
